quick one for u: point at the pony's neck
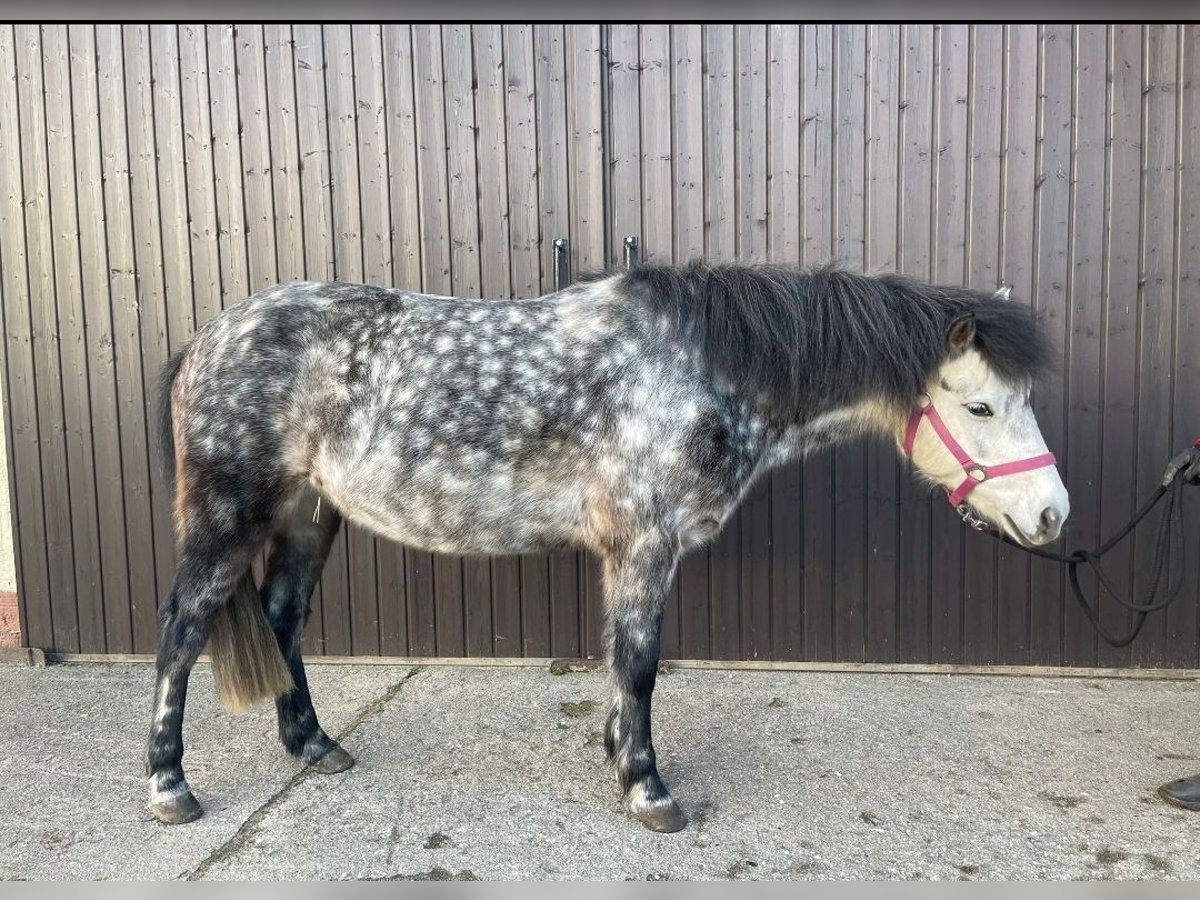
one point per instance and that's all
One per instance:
(836, 426)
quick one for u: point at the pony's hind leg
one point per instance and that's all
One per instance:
(297, 555)
(636, 584)
(210, 567)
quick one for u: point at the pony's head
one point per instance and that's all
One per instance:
(973, 430)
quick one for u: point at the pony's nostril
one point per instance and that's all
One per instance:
(1050, 519)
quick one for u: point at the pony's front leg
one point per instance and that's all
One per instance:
(636, 583)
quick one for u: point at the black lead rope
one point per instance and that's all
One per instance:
(1169, 538)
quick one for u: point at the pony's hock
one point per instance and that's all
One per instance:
(627, 414)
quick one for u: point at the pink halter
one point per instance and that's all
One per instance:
(976, 474)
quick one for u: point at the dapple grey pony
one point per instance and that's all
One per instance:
(627, 414)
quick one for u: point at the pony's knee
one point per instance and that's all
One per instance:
(634, 653)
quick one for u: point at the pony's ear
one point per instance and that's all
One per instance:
(961, 333)
(1004, 292)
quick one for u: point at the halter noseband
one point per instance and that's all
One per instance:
(976, 473)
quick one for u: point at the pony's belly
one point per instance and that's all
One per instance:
(459, 519)
(479, 540)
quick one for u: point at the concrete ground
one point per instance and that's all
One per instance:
(498, 774)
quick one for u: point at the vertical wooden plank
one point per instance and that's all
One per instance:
(720, 239)
(1155, 301)
(879, 254)
(1050, 248)
(460, 135)
(552, 135)
(687, 120)
(98, 347)
(1085, 320)
(949, 243)
(1183, 617)
(196, 172)
(720, 194)
(25, 447)
(494, 264)
(435, 275)
(657, 243)
(521, 144)
(657, 157)
(783, 240)
(549, 73)
(47, 338)
(313, 149)
(524, 254)
(351, 567)
(816, 154)
(914, 257)
(183, 252)
(404, 202)
(229, 188)
(624, 121)
(751, 136)
(1122, 226)
(577, 595)
(130, 415)
(565, 565)
(279, 64)
(290, 238)
(502, 573)
(170, 187)
(376, 246)
(316, 218)
(687, 129)
(565, 604)
(582, 92)
(984, 205)
(1183, 636)
(451, 573)
(149, 306)
(1018, 164)
(250, 48)
(849, 462)
(354, 621)
(74, 361)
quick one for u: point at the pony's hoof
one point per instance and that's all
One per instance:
(664, 816)
(1184, 793)
(177, 810)
(336, 760)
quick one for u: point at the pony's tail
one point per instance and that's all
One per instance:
(246, 659)
(166, 428)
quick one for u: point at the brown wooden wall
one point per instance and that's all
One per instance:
(150, 176)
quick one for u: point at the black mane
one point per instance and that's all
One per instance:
(805, 339)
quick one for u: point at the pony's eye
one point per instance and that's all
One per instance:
(979, 409)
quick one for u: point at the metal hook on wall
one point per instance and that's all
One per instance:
(562, 264)
(631, 251)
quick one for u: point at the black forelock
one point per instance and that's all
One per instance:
(798, 341)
